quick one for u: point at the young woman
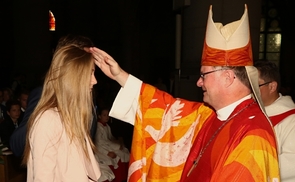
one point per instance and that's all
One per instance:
(58, 145)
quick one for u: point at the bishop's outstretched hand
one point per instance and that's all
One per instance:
(108, 65)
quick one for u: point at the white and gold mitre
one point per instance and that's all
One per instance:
(228, 45)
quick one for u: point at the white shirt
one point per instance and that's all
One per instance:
(285, 133)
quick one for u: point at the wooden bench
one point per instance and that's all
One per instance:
(11, 171)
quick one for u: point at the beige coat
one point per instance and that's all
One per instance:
(53, 158)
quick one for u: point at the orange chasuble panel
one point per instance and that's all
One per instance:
(164, 131)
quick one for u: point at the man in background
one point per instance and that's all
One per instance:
(23, 99)
(281, 110)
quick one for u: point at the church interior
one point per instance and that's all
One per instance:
(149, 39)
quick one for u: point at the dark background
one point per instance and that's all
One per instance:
(139, 34)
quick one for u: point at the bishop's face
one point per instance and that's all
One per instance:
(210, 82)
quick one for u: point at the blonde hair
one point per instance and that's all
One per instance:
(67, 87)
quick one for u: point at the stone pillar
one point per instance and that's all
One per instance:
(193, 32)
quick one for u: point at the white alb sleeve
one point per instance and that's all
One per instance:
(126, 102)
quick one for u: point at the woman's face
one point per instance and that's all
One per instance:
(93, 80)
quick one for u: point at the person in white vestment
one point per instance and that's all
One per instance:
(111, 151)
(281, 110)
(107, 174)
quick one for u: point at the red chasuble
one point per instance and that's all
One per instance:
(238, 149)
(169, 134)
